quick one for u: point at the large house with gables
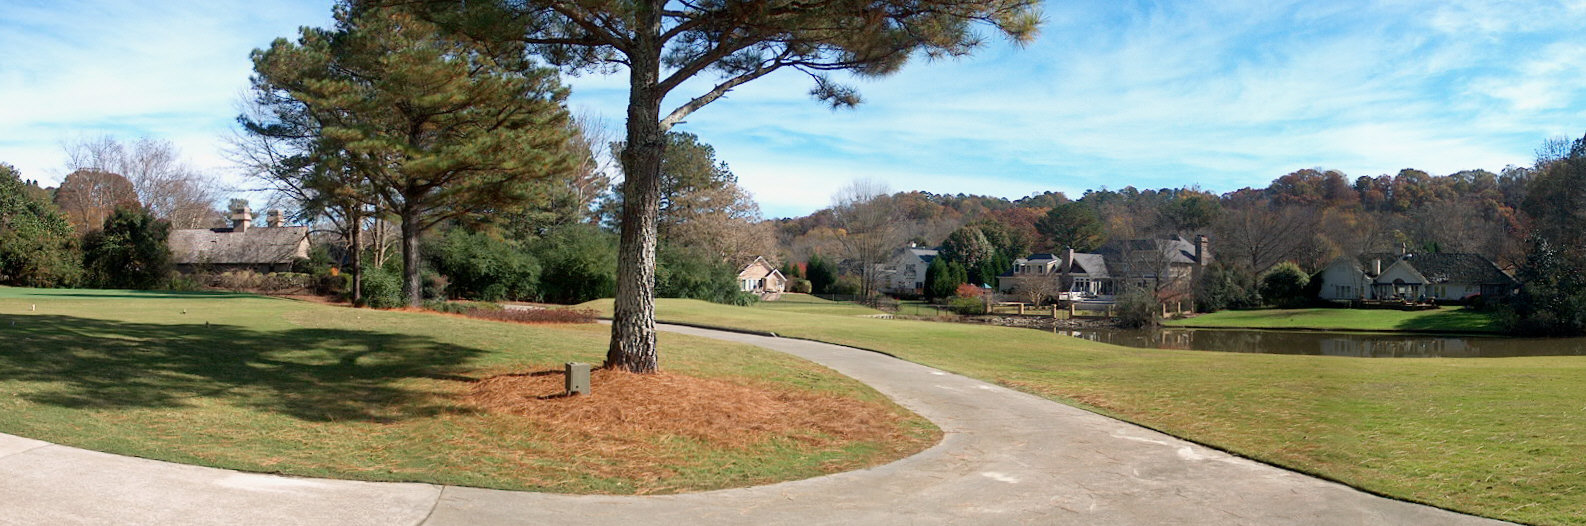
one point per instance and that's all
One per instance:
(1167, 265)
(1414, 277)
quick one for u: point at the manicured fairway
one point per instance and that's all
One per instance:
(1500, 437)
(275, 385)
(1442, 319)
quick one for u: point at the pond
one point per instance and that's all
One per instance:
(1366, 345)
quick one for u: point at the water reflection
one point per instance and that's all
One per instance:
(1335, 343)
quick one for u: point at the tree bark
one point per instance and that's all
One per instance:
(412, 285)
(355, 256)
(633, 346)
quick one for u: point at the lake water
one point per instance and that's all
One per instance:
(1367, 345)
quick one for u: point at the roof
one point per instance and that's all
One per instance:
(223, 246)
(925, 254)
(1444, 267)
(1092, 265)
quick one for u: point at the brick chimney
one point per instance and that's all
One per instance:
(240, 215)
(275, 218)
(1203, 253)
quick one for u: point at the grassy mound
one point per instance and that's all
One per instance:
(281, 386)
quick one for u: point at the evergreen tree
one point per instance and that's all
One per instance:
(444, 127)
(1072, 225)
(663, 45)
(822, 274)
(37, 245)
(129, 251)
(942, 278)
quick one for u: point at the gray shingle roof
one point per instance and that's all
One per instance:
(222, 246)
(1445, 268)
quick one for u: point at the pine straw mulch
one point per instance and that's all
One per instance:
(622, 427)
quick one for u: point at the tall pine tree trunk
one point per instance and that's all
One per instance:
(356, 257)
(633, 318)
(412, 285)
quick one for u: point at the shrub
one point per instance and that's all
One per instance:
(382, 288)
(580, 264)
(683, 272)
(1284, 285)
(967, 306)
(801, 286)
(480, 266)
(1138, 307)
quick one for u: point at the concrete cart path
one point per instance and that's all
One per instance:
(1007, 458)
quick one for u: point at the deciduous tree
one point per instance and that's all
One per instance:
(88, 197)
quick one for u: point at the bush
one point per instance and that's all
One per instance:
(480, 266)
(1284, 286)
(846, 285)
(683, 272)
(580, 264)
(1138, 307)
(382, 288)
(801, 286)
(967, 306)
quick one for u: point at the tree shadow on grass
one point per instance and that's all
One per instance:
(311, 374)
(1458, 320)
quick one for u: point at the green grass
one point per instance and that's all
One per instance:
(273, 385)
(807, 304)
(1442, 319)
(1500, 437)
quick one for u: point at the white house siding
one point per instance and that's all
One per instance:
(1343, 281)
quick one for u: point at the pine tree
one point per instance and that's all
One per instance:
(444, 127)
(663, 45)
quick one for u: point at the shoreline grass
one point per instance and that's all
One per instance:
(1498, 437)
(280, 386)
(1440, 320)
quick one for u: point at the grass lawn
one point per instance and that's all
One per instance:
(807, 304)
(1450, 319)
(1500, 437)
(282, 386)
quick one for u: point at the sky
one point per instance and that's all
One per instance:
(1219, 94)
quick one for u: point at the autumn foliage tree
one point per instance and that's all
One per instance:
(88, 197)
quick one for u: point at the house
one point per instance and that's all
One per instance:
(905, 274)
(763, 279)
(271, 248)
(1414, 277)
(1168, 265)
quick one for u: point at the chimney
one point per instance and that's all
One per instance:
(275, 218)
(240, 215)
(1376, 267)
(1203, 253)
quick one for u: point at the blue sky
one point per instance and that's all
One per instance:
(1219, 94)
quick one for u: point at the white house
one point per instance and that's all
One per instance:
(1414, 277)
(905, 274)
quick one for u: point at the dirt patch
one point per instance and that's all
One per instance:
(625, 409)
